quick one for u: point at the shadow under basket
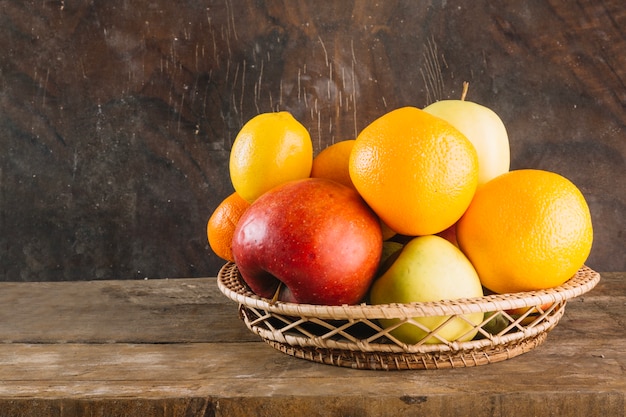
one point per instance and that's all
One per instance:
(352, 335)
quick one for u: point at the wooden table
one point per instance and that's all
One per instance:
(177, 348)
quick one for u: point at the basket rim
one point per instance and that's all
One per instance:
(233, 287)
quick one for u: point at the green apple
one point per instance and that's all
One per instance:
(390, 252)
(429, 268)
(484, 128)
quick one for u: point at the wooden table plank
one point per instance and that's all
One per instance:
(579, 370)
(144, 311)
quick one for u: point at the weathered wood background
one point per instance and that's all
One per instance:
(116, 117)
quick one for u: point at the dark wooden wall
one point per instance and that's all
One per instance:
(117, 117)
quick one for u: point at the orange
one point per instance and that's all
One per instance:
(269, 150)
(221, 225)
(332, 163)
(415, 170)
(526, 230)
(532, 313)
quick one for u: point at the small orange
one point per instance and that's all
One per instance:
(221, 225)
(415, 170)
(526, 230)
(531, 313)
(332, 163)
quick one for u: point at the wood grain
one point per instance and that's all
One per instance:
(117, 118)
(166, 361)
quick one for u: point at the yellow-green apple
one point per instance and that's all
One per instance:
(484, 128)
(316, 236)
(429, 268)
(497, 322)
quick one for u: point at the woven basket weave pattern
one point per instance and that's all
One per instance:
(351, 335)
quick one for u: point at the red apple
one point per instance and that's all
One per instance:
(316, 236)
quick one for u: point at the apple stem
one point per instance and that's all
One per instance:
(465, 88)
(276, 294)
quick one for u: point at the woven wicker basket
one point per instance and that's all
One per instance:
(351, 336)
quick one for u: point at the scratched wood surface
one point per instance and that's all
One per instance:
(177, 348)
(116, 118)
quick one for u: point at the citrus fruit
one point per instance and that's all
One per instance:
(221, 225)
(526, 230)
(415, 170)
(270, 149)
(332, 163)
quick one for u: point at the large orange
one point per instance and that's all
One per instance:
(221, 225)
(526, 230)
(415, 170)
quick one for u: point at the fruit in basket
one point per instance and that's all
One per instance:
(389, 254)
(315, 236)
(517, 312)
(221, 225)
(415, 170)
(528, 314)
(270, 149)
(526, 230)
(484, 128)
(429, 268)
(496, 323)
(332, 163)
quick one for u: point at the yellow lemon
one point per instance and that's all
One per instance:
(269, 150)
